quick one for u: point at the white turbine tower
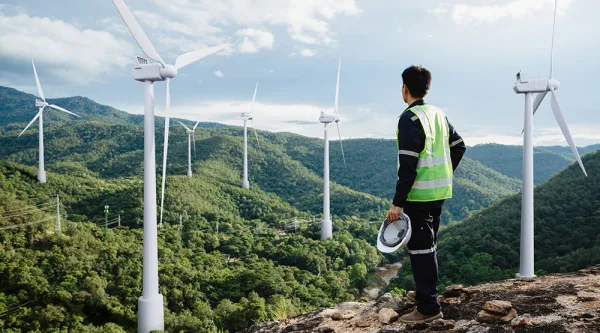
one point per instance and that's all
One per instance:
(191, 140)
(42, 104)
(245, 117)
(150, 304)
(329, 119)
(528, 87)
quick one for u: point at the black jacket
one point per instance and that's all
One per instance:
(411, 137)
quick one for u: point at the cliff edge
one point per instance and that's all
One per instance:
(548, 304)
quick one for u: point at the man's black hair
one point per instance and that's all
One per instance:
(418, 80)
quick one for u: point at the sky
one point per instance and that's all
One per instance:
(474, 48)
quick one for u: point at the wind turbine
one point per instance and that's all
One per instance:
(191, 138)
(329, 119)
(150, 304)
(245, 117)
(42, 104)
(528, 87)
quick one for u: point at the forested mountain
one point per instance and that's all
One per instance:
(108, 143)
(485, 247)
(508, 160)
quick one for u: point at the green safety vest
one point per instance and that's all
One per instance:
(434, 169)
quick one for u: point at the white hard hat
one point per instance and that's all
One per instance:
(394, 235)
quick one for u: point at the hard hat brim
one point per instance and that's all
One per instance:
(390, 249)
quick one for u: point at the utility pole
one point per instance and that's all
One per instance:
(58, 226)
(180, 222)
(295, 223)
(119, 219)
(105, 220)
(217, 227)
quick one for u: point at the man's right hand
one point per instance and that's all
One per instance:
(393, 214)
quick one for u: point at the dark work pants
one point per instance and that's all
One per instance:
(423, 259)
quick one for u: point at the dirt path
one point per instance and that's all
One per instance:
(386, 273)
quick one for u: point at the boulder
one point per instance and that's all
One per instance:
(496, 307)
(362, 323)
(388, 316)
(454, 290)
(441, 325)
(522, 320)
(490, 318)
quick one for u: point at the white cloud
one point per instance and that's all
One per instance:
(219, 74)
(308, 52)
(465, 14)
(306, 20)
(74, 55)
(254, 40)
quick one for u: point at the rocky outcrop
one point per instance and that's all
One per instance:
(553, 303)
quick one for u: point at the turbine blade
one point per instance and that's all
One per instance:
(191, 57)
(31, 122)
(254, 97)
(194, 142)
(553, 30)
(137, 32)
(166, 148)
(255, 134)
(196, 125)
(56, 107)
(37, 82)
(341, 144)
(563, 127)
(538, 100)
(187, 128)
(337, 87)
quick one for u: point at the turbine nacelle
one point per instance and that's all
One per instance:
(40, 103)
(247, 116)
(524, 86)
(153, 72)
(327, 117)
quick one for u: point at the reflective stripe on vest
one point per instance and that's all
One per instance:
(434, 169)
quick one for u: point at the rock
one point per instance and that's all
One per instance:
(486, 317)
(522, 320)
(362, 323)
(441, 325)
(586, 298)
(416, 327)
(496, 307)
(325, 330)
(398, 304)
(391, 330)
(387, 316)
(454, 290)
(337, 316)
(308, 325)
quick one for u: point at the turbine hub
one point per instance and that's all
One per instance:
(40, 104)
(168, 72)
(553, 84)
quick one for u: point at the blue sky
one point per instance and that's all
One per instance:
(474, 48)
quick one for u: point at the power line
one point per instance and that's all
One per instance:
(26, 224)
(29, 212)
(28, 208)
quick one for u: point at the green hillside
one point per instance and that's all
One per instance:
(245, 272)
(371, 168)
(508, 160)
(107, 143)
(485, 247)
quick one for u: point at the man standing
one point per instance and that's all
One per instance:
(429, 150)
